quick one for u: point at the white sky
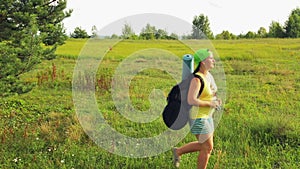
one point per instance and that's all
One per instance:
(236, 16)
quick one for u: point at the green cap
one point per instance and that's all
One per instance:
(201, 55)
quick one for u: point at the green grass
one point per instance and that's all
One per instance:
(259, 127)
(71, 49)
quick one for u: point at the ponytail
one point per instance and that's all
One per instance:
(197, 69)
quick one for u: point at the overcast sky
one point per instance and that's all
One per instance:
(236, 16)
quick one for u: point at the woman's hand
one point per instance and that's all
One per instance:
(216, 104)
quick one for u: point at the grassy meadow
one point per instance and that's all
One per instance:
(259, 127)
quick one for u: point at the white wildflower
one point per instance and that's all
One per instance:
(15, 160)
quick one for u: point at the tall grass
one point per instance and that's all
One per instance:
(259, 127)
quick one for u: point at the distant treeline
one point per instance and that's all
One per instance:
(201, 30)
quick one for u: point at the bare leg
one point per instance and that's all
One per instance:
(204, 153)
(188, 148)
(204, 146)
(194, 146)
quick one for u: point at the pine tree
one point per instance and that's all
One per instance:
(27, 25)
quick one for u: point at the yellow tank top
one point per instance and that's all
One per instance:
(206, 95)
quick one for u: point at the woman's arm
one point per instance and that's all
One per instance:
(192, 97)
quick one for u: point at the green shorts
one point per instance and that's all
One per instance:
(202, 125)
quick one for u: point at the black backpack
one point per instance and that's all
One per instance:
(176, 112)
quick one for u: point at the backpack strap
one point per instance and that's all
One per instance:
(202, 84)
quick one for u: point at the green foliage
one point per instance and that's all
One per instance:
(201, 28)
(226, 35)
(148, 33)
(250, 35)
(262, 32)
(79, 33)
(127, 32)
(161, 34)
(114, 36)
(94, 31)
(14, 61)
(293, 24)
(276, 30)
(47, 15)
(27, 27)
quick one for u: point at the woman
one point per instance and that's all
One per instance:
(201, 121)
